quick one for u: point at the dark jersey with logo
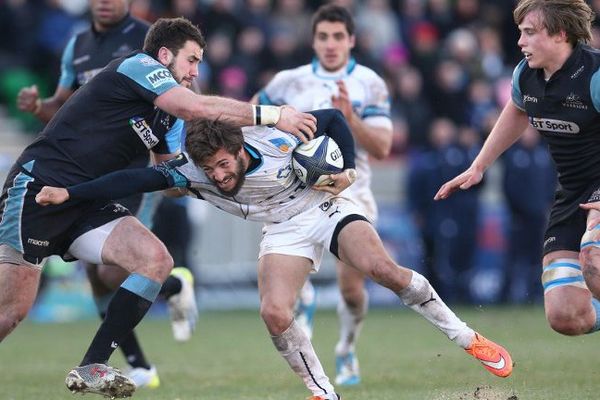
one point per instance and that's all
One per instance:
(566, 111)
(89, 51)
(106, 124)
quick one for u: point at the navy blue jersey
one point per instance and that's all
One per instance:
(90, 51)
(106, 124)
(566, 111)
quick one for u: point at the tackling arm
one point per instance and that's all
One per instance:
(120, 184)
(185, 104)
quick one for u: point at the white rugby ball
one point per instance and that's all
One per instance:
(314, 161)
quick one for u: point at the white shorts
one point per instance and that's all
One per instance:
(88, 247)
(364, 198)
(308, 234)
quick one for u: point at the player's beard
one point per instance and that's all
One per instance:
(239, 175)
(178, 79)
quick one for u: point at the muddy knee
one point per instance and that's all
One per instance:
(277, 318)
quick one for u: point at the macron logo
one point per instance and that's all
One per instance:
(157, 78)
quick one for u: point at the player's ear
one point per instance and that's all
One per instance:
(165, 56)
(352, 41)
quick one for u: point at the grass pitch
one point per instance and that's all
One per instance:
(401, 355)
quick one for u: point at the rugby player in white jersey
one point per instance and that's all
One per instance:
(334, 79)
(247, 172)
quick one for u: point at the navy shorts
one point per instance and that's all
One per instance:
(568, 222)
(39, 232)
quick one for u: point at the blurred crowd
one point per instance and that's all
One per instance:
(447, 63)
(442, 59)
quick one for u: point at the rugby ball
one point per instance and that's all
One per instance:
(314, 161)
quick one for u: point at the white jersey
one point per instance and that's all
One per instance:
(271, 191)
(310, 87)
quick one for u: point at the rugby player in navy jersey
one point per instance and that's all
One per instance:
(135, 104)
(556, 89)
(114, 33)
(247, 172)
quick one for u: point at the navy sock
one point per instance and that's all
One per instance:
(130, 347)
(126, 309)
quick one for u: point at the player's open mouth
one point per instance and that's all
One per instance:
(225, 181)
(527, 55)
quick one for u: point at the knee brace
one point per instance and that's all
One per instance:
(562, 272)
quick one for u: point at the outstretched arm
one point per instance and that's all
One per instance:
(115, 185)
(510, 125)
(185, 104)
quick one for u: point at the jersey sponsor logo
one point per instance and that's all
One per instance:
(281, 144)
(529, 98)
(574, 101)
(39, 243)
(578, 72)
(554, 125)
(149, 61)
(140, 126)
(157, 78)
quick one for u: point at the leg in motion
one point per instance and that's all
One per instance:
(280, 278)
(352, 309)
(361, 247)
(129, 244)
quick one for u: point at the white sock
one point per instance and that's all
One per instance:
(295, 347)
(351, 322)
(307, 293)
(422, 297)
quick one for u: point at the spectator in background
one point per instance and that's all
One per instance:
(385, 32)
(250, 56)
(528, 185)
(185, 8)
(448, 231)
(423, 47)
(411, 103)
(219, 51)
(222, 17)
(450, 85)
(292, 16)
(257, 14)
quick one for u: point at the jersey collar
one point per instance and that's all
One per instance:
(256, 159)
(319, 71)
(569, 63)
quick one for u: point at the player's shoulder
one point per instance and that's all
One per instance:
(363, 72)
(592, 55)
(269, 140)
(138, 61)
